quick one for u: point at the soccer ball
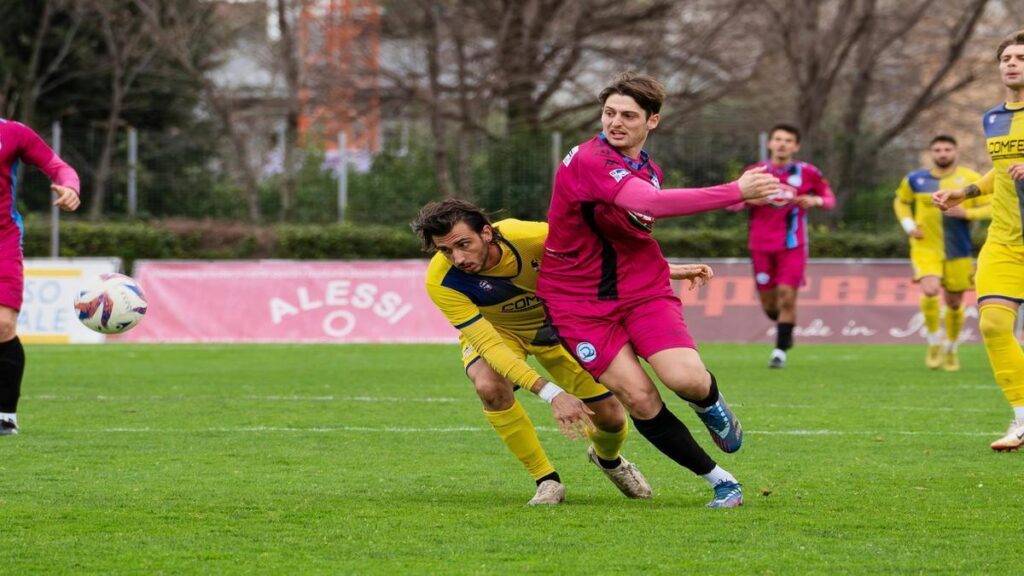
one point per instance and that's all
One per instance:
(110, 303)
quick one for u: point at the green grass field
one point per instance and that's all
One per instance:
(377, 459)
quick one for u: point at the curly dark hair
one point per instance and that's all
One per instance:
(438, 218)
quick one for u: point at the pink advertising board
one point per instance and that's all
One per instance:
(385, 301)
(288, 301)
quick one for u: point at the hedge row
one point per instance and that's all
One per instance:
(213, 240)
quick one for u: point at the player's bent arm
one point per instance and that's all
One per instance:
(827, 197)
(35, 151)
(905, 215)
(982, 212)
(983, 186)
(486, 341)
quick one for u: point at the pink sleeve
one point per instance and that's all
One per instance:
(640, 196)
(828, 199)
(37, 153)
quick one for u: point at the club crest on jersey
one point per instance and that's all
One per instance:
(535, 264)
(568, 157)
(783, 196)
(586, 352)
(619, 174)
(920, 181)
(486, 285)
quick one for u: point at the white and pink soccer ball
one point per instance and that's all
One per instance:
(111, 303)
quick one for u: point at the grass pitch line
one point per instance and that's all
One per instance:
(476, 429)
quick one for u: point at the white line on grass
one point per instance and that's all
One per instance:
(475, 429)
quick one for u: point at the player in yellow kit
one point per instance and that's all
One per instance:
(1000, 278)
(940, 245)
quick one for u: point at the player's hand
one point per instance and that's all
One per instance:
(957, 212)
(807, 201)
(698, 274)
(946, 199)
(916, 234)
(756, 183)
(1016, 171)
(67, 199)
(572, 415)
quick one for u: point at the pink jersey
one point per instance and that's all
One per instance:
(780, 224)
(595, 250)
(18, 142)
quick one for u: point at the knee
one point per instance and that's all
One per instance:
(494, 392)
(608, 418)
(995, 322)
(690, 382)
(643, 404)
(954, 301)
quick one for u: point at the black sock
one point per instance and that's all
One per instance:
(712, 394)
(669, 435)
(784, 336)
(12, 366)
(553, 476)
(609, 464)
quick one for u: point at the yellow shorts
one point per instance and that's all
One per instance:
(560, 365)
(1001, 272)
(956, 274)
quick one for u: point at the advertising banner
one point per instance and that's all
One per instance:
(848, 301)
(47, 314)
(843, 301)
(288, 301)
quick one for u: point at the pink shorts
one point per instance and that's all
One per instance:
(782, 267)
(594, 338)
(12, 270)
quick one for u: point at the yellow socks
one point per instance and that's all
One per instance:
(954, 323)
(1004, 352)
(608, 444)
(517, 432)
(930, 309)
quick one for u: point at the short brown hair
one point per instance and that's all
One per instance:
(786, 128)
(646, 90)
(1011, 40)
(943, 138)
(438, 219)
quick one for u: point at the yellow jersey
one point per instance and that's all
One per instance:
(1004, 137)
(947, 237)
(503, 297)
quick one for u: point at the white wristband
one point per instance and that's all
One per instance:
(549, 391)
(908, 224)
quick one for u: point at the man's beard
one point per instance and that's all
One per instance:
(945, 164)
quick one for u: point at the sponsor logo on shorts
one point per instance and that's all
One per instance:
(762, 278)
(586, 352)
(619, 174)
(467, 351)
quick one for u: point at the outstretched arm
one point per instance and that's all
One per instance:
(641, 196)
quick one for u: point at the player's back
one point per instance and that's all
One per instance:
(1004, 135)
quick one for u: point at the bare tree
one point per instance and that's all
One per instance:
(287, 13)
(184, 33)
(128, 53)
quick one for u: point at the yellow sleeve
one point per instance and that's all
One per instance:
(465, 316)
(904, 200)
(987, 182)
(978, 209)
(488, 344)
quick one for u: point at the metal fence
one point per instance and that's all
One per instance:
(181, 174)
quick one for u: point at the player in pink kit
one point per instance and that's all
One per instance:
(605, 282)
(18, 142)
(778, 233)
